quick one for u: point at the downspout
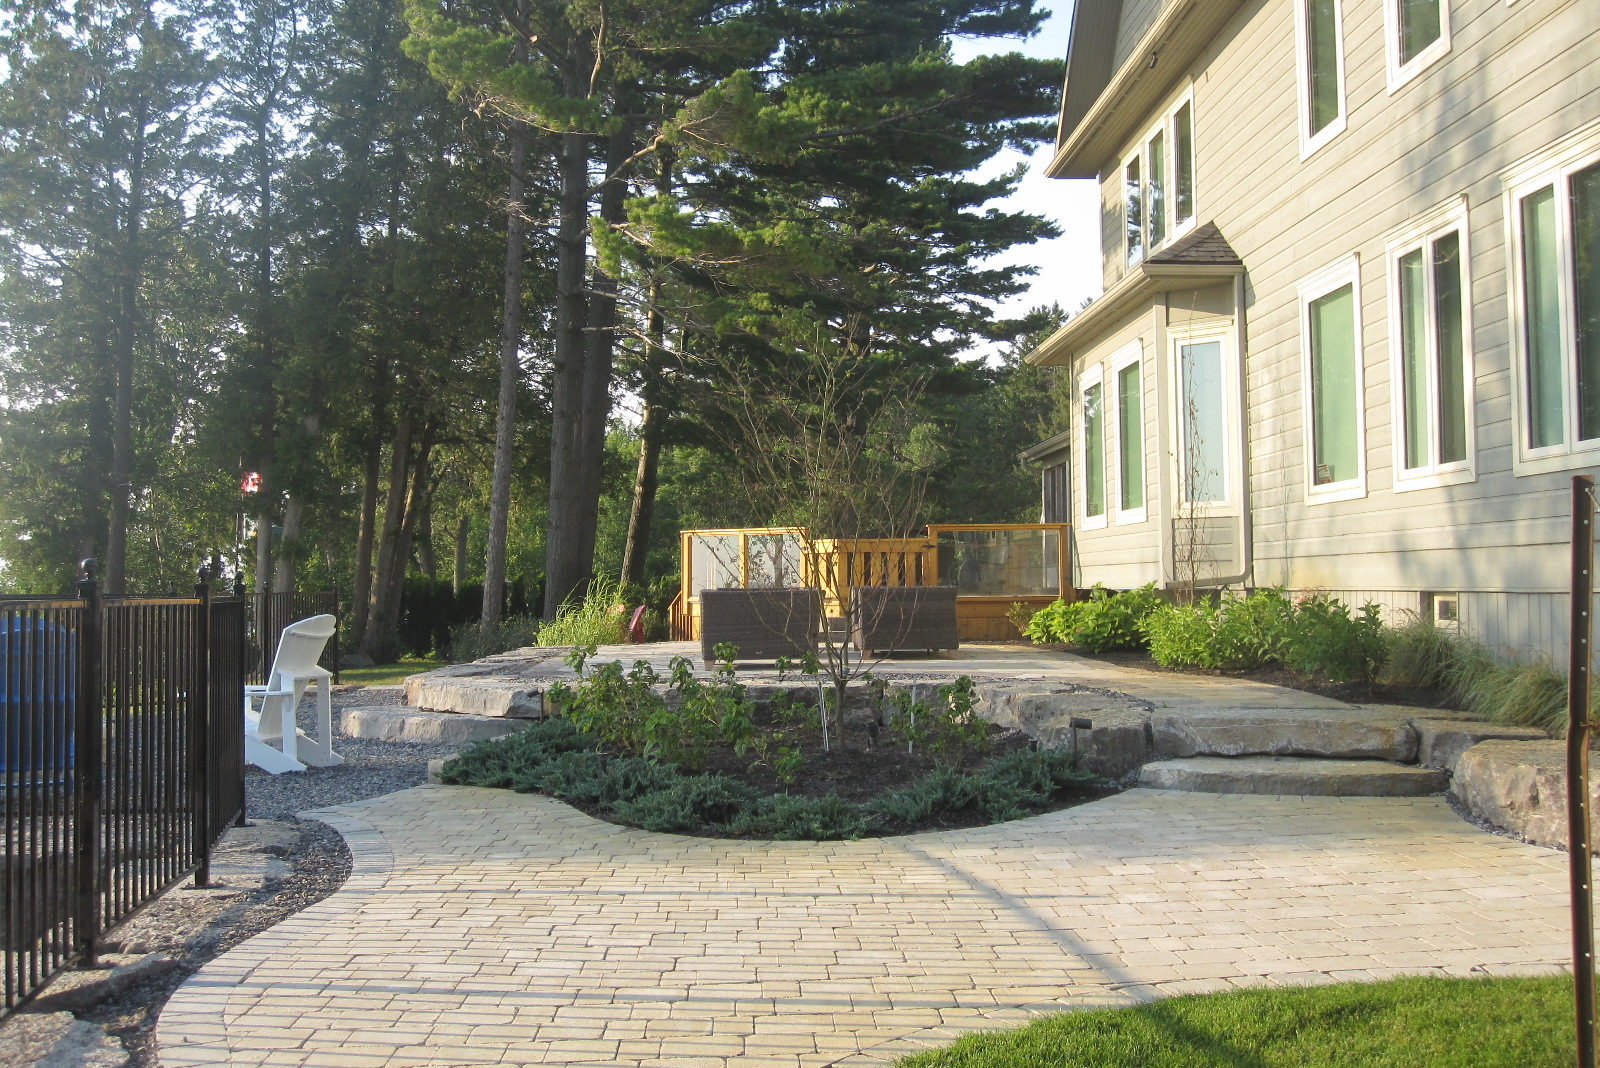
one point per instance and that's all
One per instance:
(1246, 543)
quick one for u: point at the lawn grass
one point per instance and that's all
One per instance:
(388, 674)
(1417, 1021)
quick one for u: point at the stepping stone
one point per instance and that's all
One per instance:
(1440, 742)
(1348, 734)
(1295, 776)
(415, 725)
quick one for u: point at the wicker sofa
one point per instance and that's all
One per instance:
(887, 619)
(762, 623)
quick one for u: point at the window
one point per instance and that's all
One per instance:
(1130, 435)
(1057, 507)
(1183, 164)
(1202, 422)
(1319, 35)
(1158, 185)
(1418, 32)
(1430, 346)
(1094, 449)
(1334, 414)
(1133, 211)
(1554, 216)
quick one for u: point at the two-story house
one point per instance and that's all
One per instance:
(1350, 333)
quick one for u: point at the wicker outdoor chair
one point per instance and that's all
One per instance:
(888, 619)
(762, 624)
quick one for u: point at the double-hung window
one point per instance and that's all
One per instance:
(1553, 211)
(1431, 353)
(1319, 39)
(1417, 32)
(1333, 383)
(1093, 391)
(1158, 184)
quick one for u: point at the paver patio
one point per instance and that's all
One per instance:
(488, 927)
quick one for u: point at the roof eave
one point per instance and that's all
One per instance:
(1113, 307)
(1166, 50)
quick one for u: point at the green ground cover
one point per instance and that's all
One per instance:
(1416, 1022)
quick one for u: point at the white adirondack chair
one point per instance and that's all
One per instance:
(272, 741)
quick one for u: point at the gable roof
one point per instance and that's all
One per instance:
(1204, 245)
(1105, 100)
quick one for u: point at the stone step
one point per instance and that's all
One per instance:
(1296, 776)
(1343, 734)
(415, 725)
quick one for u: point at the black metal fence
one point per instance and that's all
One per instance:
(122, 758)
(269, 613)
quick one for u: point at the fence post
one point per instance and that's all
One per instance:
(88, 770)
(243, 643)
(200, 735)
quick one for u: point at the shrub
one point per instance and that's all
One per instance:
(1421, 655)
(689, 803)
(1324, 639)
(1232, 634)
(1103, 622)
(596, 620)
(1183, 635)
(470, 641)
(785, 817)
(1055, 622)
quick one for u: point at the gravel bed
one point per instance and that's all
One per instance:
(370, 769)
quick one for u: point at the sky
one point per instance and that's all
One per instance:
(1069, 266)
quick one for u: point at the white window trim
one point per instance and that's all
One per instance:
(1335, 276)
(1421, 233)
(1132, 353)
(1174, 227)
(1128, 260)
(1309, 142)
(1400, 73)
(1550, 165)
(1233, 459)
(1179, 227)
(1094, 376)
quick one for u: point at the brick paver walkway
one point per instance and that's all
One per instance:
(487, 927)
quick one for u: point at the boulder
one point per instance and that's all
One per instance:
(478, 689)
(1293, 776)
(1521, 786)
(1440, 742)
(1344, 734)
(415, 725)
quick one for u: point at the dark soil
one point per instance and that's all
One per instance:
(1357, 693)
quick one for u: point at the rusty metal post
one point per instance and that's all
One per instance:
(1579, 853)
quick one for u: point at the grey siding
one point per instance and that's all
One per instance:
(1517, 79)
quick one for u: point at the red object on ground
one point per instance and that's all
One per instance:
(636, 626)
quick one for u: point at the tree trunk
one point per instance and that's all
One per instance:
(369, 515)
(132, 274)
(458, 579)
(427, 559)
(286, 565)
(383, 611)
(565, 566)
(505, 428)
(642, 512)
